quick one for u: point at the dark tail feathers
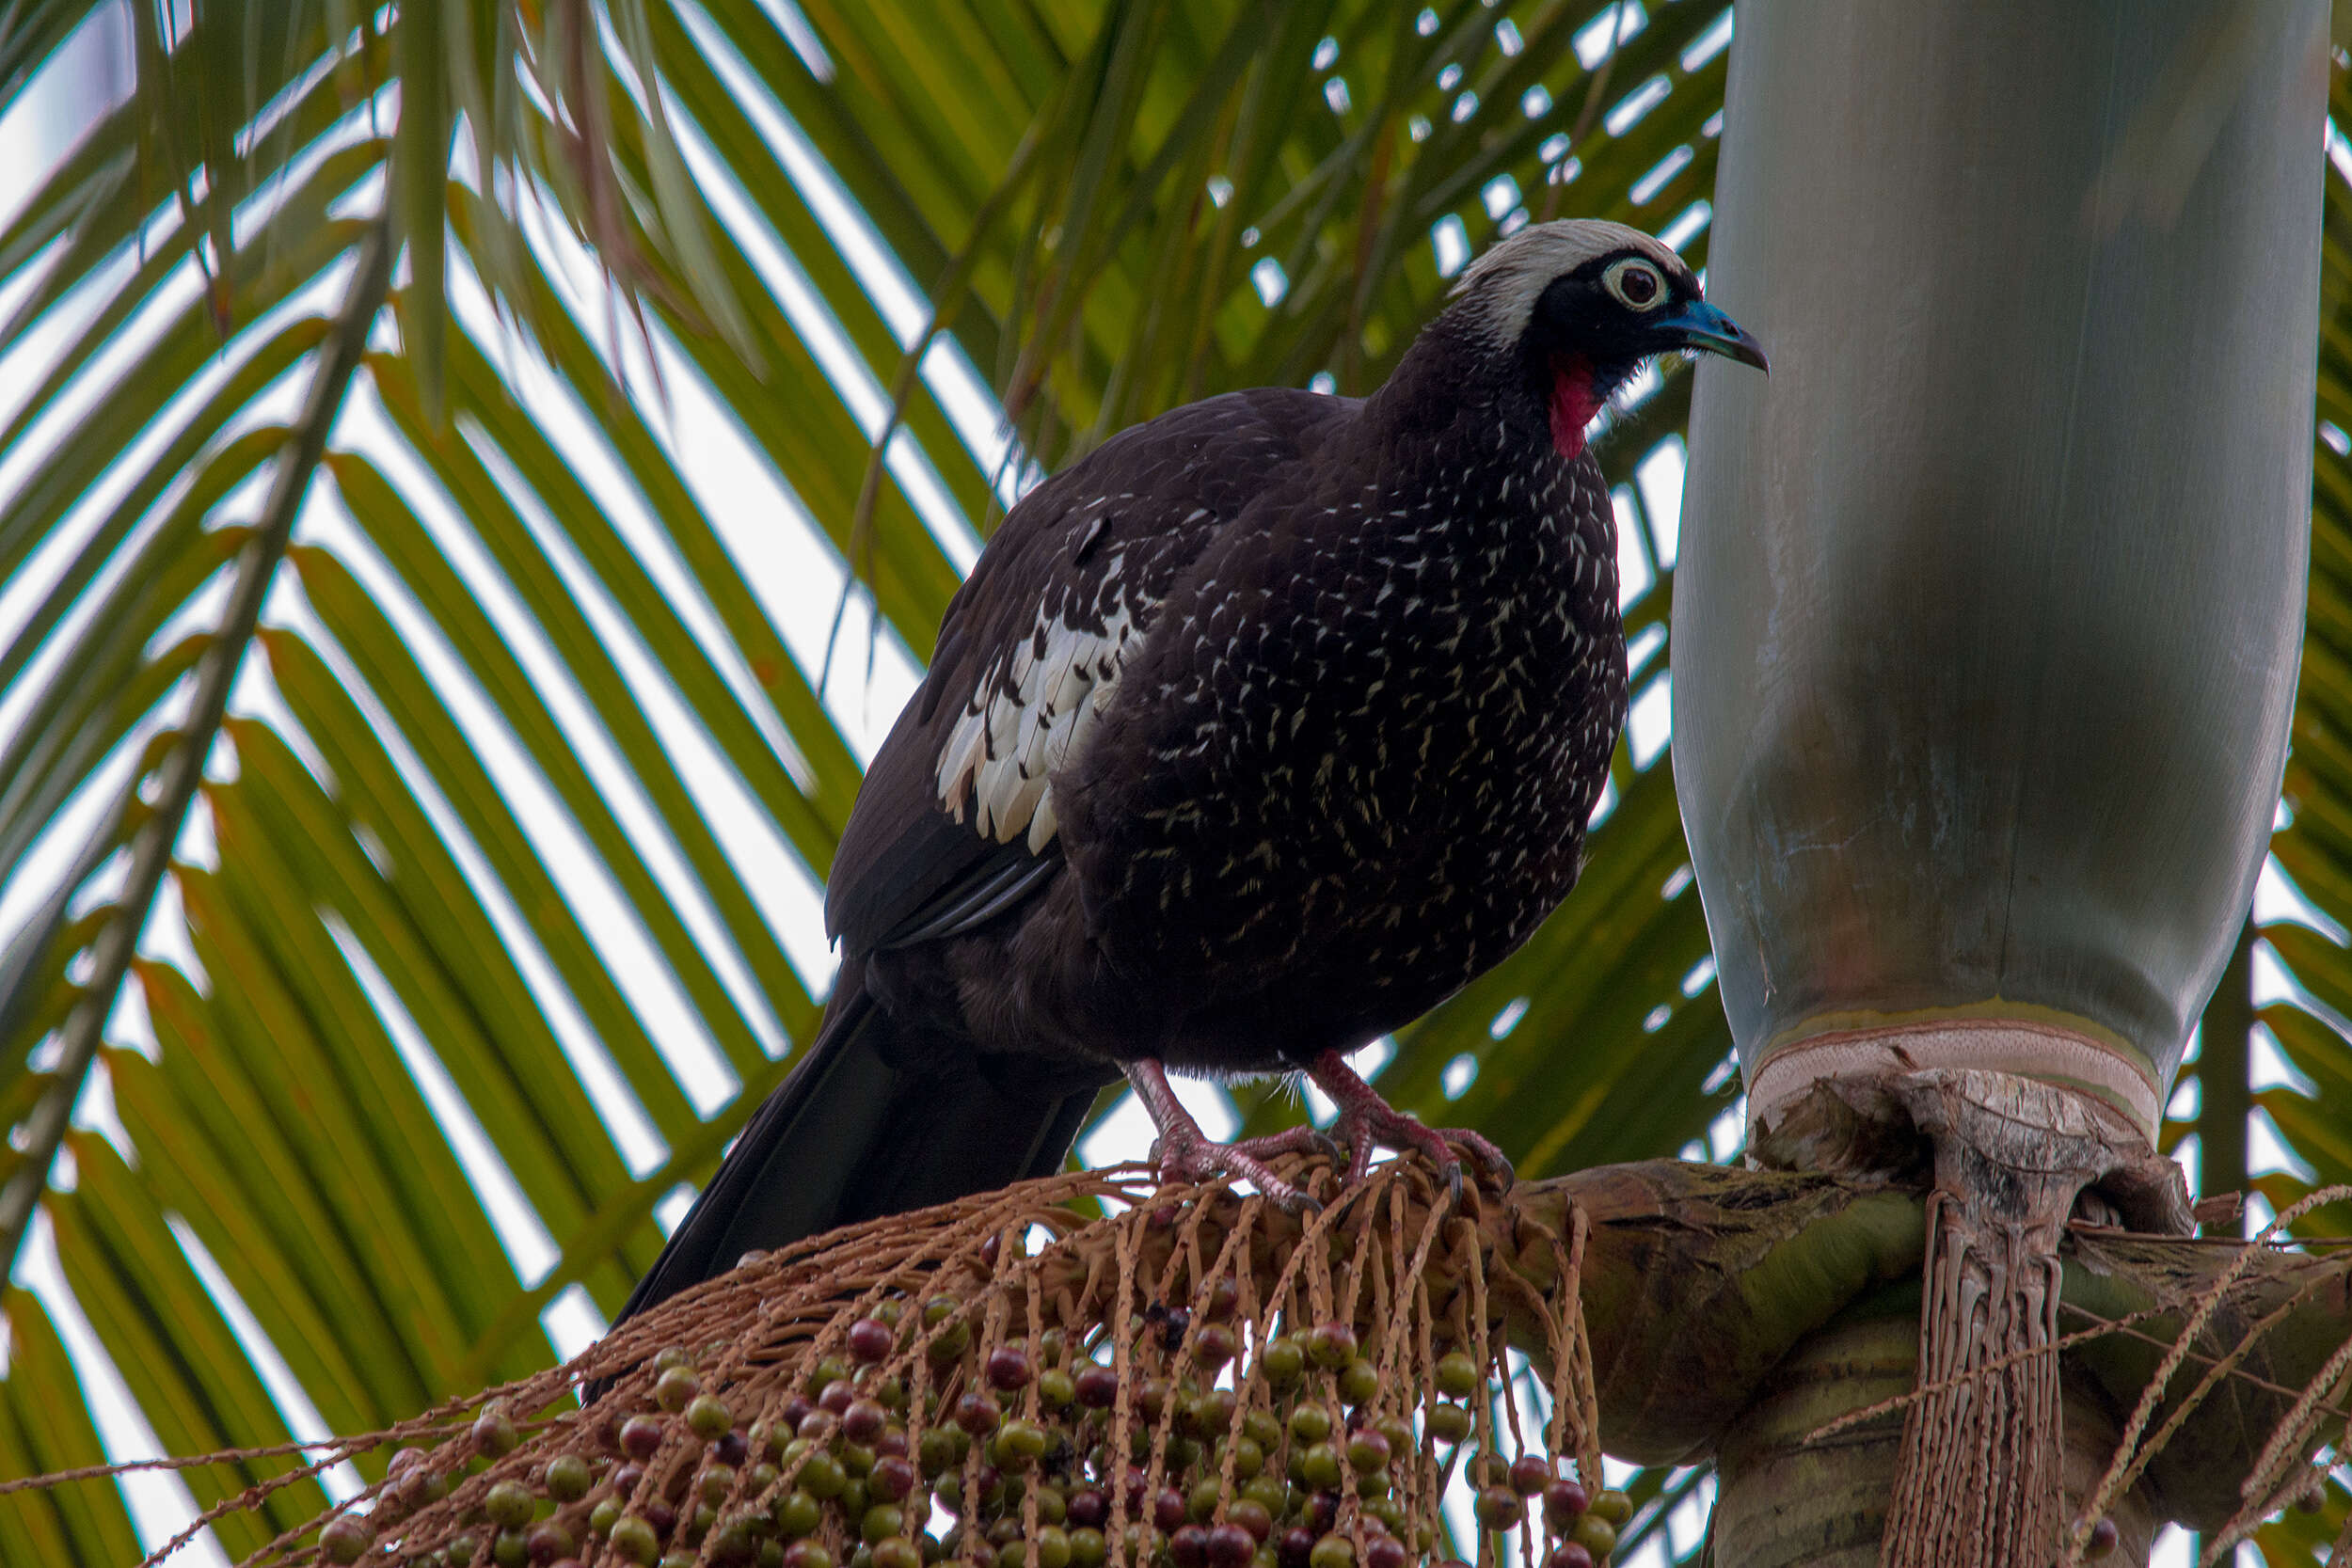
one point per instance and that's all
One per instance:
(851, 1136)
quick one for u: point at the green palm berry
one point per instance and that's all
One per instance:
(568, 1477)
(1053, 1547)
(1359, 1381)
(511, 1549)
(1268, 1494)
(1320, 1466)
(828, 1371)
(898, 1552)
(798, 1513)
(675, 1388)
(633, 1541)
(1596, 1534)
(936, 1453)
(823, 1478)
(1012, 1554)
(1390, 1513)
(1087, 1549)
(881, 1522)
(1182, 1452)
(1248, 1457)
(1018, 1445)
(716, 1483)
(1260, 1428)
(1333, 1551)
(1499, 1507)
(1052, 1506)
(1456, 1375)
(708, 1416)
(346, 1540)
(509, 1504)
(1331, 1345)
(858, 1460)
(1398, 1430)
(1283, 1362)
(1200, 1503)
(1613, 1506)
(670, 1355)
(1310, 1423)
(602, 1517)
(1448, 1423)
(852, 1501)
(1057, 1390)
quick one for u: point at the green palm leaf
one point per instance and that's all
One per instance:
(487, 918)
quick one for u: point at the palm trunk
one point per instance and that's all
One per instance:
(1985, 633)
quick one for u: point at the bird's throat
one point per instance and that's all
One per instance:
(1575, 398)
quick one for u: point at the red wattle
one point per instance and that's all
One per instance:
(1574, 402)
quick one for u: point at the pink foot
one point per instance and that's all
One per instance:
(1367, 1121)
(1184, 1154)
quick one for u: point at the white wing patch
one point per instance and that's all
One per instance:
(1024, 719)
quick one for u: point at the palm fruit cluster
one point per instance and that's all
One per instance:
(1274, 1409)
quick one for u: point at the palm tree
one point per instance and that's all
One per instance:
(437, 439)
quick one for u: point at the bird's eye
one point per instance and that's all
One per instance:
(1636, 284)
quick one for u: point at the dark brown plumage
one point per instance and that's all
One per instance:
(1253, 734)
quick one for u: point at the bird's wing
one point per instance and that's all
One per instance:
(956, 822)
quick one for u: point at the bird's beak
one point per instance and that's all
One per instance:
(1699, 326)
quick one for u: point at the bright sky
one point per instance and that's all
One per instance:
(796, 576)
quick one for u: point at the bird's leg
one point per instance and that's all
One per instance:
(1366, 1119)
(1184, 1154)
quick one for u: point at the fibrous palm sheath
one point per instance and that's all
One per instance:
(1255, 733)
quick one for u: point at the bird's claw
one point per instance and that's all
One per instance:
(1366, 1126)
(1179, 1158)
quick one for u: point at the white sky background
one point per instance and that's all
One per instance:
(796, 574)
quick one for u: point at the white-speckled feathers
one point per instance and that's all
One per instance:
(958, 804)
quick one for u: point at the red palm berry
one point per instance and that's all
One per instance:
(1231, 1546)
(871, 1340)
(1009, 1368)
(1098, 1386)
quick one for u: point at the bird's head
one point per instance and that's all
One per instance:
(1573, 307)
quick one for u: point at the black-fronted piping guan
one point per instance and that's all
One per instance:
(1255, 733)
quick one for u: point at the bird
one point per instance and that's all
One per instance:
(1252, 734)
